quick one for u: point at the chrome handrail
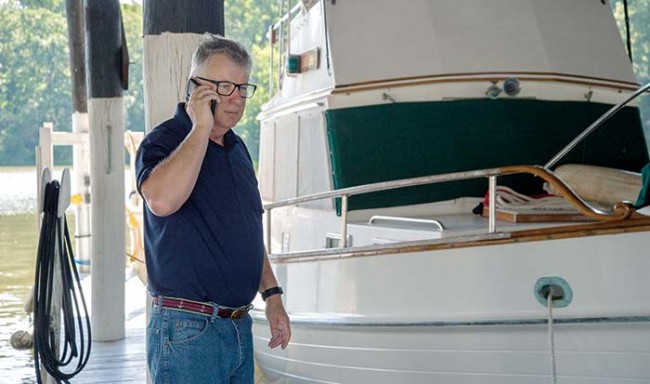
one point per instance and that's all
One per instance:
(345, 193)
(437, 224)
(387, 185)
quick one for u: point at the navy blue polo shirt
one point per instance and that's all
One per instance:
(212, 248)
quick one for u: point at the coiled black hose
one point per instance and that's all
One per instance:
(54, 242)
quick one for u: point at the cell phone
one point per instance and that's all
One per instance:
(191, 84)
(190, 87)
(213, 106)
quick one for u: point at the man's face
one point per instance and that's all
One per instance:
(231, 108)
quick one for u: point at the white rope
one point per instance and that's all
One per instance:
(508, 198)
(550, 335)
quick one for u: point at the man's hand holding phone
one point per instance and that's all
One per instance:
(199, 94)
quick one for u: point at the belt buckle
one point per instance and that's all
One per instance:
(237, 313)
(240, 312)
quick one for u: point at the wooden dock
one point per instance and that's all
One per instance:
(122, 361)
(115, 362)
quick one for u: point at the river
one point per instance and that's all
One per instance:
(18, 244)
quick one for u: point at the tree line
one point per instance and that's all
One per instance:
(639, 32)
(35, 84)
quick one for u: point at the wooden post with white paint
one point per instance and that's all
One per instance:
(172, 30)
(104, 76)
(44, 153)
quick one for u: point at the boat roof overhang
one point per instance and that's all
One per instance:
(373, 41)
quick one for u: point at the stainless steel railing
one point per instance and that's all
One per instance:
(345, 193)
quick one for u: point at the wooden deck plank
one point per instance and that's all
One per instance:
(122, 361)
(119, 362)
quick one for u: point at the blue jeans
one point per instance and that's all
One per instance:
(184, 347)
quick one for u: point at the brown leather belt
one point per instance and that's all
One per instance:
(202, 308)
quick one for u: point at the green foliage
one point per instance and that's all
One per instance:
(35, 83)
(34, 73)
(134, 96)
(35, 76)
(54, 5)
(639, 14)
(248, 21)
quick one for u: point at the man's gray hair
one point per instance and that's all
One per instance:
(216, 44)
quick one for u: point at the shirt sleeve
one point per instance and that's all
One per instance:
(155, 147)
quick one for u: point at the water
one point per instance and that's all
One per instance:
(18, 243)
(17, 190)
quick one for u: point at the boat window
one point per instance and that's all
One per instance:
(266, 160)
(313, 162)
(294, 160)
(286, 158)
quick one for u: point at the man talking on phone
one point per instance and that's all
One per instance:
(203, 229)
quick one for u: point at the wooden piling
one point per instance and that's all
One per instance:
(80, 152)
(172, 30)
(104, 75)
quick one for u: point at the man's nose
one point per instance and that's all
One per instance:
(236, 98)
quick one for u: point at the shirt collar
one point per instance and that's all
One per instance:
(230, 139)
(182, 117)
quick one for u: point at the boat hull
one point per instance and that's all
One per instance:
(585, 353)
(467, 315)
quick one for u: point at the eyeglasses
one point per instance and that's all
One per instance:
(226, 88)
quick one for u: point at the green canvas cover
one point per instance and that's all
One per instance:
(402, 140)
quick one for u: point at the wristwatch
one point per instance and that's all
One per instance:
(272, 291)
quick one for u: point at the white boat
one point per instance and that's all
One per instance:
(388, 124)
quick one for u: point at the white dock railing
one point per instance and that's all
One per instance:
(81, 194)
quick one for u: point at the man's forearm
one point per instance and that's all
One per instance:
(268, 277)
(172, 181)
